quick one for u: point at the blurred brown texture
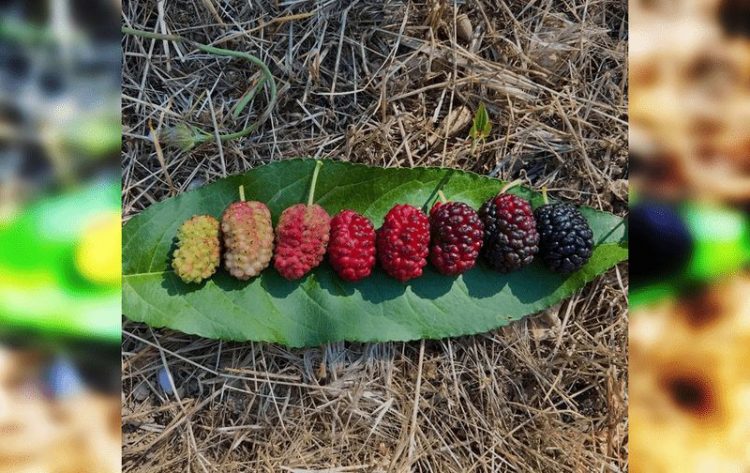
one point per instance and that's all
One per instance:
(690, 382)
(690, 97)
(77, 434)
(690, 140)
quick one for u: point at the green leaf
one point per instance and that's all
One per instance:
(322, 308)
(481, 127)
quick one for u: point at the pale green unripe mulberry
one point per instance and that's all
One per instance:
(248, 239)
(198, 250)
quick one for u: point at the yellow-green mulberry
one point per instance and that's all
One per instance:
(198, 249)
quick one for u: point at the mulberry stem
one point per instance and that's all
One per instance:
(443, 199)
(510, 185)
(201, 136)
(544, 195)
(242, 193)
(311, 195)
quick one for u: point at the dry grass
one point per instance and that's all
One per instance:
(391, 84)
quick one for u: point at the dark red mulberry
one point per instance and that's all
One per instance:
(457, 236)
(510, 236)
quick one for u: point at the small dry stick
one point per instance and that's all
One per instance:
(160, 157)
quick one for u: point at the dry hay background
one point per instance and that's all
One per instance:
(389, 84)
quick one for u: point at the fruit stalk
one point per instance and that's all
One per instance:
(510, 185)
(311, 194)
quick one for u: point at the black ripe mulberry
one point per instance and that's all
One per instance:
(566, 240)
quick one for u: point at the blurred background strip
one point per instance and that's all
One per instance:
(59, 236)
(690, 236)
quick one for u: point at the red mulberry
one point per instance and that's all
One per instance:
(403, 242)
(301, 239)
(302, 236)
(351, 249)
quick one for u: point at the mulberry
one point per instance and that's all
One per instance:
(302, 236)
(248, 238)
(403, 242)
(351, 249)
(510, 236)
(457, 236)
(198, 249)
(566, 240)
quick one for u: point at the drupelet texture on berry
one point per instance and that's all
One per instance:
(510, 236)
(301, 239)
(403, 242)
(198, 249)
(457, 236)
(351, 249)
(248, 238)
(302, 235)
(566, 240)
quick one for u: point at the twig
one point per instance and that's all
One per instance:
(216, 133)
(160, 157)
(415, 407)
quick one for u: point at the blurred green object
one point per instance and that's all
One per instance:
(25, 33)
(51, 279)
(721, 239)
(94, 135)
